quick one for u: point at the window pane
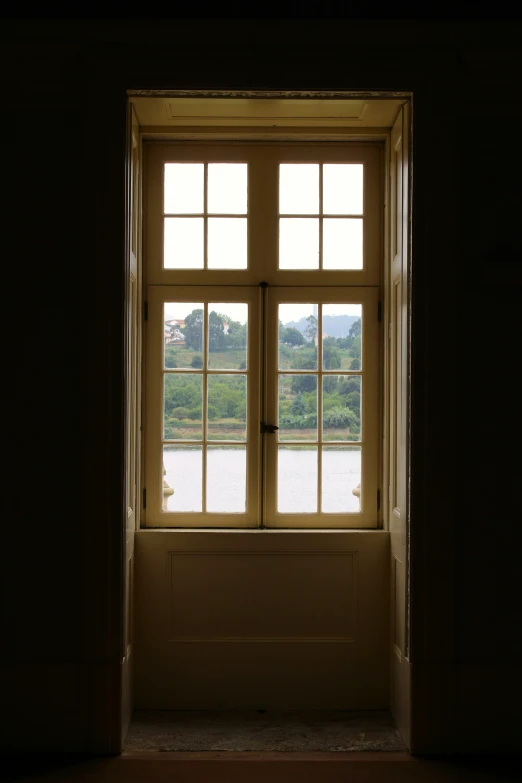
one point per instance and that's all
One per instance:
(183, 329)
(297, 479)
(341, 476)
(342, 243)
(298, 336)
(226, 479)
(227, 243)
(342, 407)
(184, 474)
(299, 243)
(183, 243)
(227, 407)
(343, 188)
(183, 188)
(227, 188)
(299, 189)
(227, 336)
(182, 403)
(297, 407)
(342, 336)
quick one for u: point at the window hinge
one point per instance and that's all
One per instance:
(144, 498)
(145, 311)
(379, 311)
(378, 500)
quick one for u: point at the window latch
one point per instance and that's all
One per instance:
(269, 429)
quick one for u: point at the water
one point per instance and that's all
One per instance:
(297, 480)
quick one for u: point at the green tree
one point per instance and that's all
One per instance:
(305, 361)
(197, 362)
(303, 383)
(298, 406)
(193, 330)
(170, 357)
(216, 332)
(330, 384)
(311, 330)
(331, 358)
(291, 336)
(355, 329)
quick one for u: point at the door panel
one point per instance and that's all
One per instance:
(398, 293)
(133, 282)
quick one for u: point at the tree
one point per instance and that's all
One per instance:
(303, 383)
(311, 330)
(193, 330)
(355, 329)
(216, 332)
(291, 336)
(236, 334)
(331, 358)
(298, 406)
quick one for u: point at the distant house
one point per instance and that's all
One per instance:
(173, 333)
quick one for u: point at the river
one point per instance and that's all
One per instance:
(297, 480)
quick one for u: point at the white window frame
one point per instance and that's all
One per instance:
(363, 286)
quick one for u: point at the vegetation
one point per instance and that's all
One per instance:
(227, 393)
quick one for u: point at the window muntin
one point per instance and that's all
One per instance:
(323, 396)
(333, 194)
(205, 215)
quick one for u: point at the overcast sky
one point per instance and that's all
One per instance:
(237, 311)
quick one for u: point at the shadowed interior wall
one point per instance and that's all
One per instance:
(63, 128)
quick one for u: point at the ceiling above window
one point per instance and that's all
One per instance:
(164, 112)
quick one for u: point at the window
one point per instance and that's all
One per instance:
(262, 369)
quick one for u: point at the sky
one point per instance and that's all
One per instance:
(237, 311)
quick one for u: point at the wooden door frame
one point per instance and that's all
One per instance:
(407, 97)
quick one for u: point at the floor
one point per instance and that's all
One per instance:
(263, 731)
(350, 767)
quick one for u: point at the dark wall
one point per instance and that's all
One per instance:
(63, 126)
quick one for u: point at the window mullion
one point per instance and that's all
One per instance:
(204, 406)
(319, 404)
(320, 216)
(205, 217)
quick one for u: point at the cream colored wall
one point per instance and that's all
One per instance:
(261, 620)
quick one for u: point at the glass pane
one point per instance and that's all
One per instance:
(299, 243)
(298, 336)
(226, 479)
(342, 243)
(297, 479)
(227, 336)
(227, 407)
(227, 243)
(183, 328)
(183, 188)
(299, 189)
(341, 479)
(227, 188)
(182, 404)
(342, 407)
(297, 407)
(183, 243)
(343, 188)
(342, 336)
(183, 468)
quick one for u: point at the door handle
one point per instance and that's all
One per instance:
(269, 429)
